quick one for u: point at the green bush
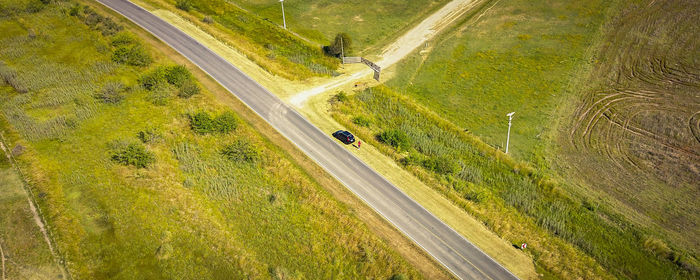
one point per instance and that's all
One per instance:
(441, 165)
(135, 55)
(241, 151)
(185, 5)
(178, 75)
(111, 93)
(122, 39)
(395, 138)
(188, 89)
(202, 123)
(341, 97)
(149, 135)
(226, 122)
(34, 6)
(133, 154)
(153, 78)
(361, 121)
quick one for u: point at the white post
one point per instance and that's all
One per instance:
(510, 118)
(342, 53)
(284, 21)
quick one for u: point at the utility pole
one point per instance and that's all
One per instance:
(342, 53)
(510, 119)
(284, 21)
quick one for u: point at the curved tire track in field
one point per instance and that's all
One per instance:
(636, 132)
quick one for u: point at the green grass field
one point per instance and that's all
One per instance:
(517, 56)
(369, 23)
(205, 206)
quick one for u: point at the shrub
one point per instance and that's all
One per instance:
(75, 10)
(153, 78)
(149, 135)
(177, 75)
(361, 121)
(34, 6)
(226, 122)
(208, 19)
(399, 277)
(202, 123)
(441, 165)
(135, 56)
(188, 89)
(395, 138)
(184, 5)
(134, 154)
(111, 93)
(341, 97)
(123, 39)
(241, 151)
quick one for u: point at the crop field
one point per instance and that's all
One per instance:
(141, 174)
(637, 119)
(513, 55)
(369, 23)
(568, 237)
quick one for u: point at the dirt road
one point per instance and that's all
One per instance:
(402, 47)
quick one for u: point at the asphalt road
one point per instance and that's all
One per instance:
(457, 254)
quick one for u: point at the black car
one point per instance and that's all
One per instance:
(344, 136)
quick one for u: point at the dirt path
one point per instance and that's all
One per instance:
(399, 49)
(2, 257)
(35, 214)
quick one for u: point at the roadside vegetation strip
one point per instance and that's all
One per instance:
(218, 204)
(491, 186)
(273, 48)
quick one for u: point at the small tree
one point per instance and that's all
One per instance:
(241, 151)
(133, 154)
(341, 43)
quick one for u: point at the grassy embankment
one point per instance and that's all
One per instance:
(371, 24)
(26, 254)
(220, 203)
(473, 77)
(269, 45)
(568, 238)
